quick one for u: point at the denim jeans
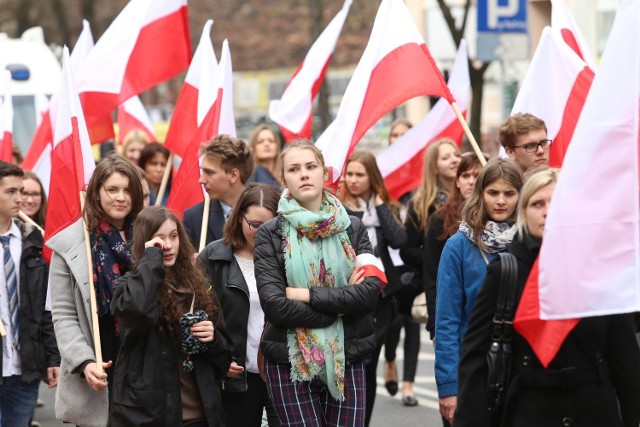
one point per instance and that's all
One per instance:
(17, 401)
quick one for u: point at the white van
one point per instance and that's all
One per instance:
(35, 71)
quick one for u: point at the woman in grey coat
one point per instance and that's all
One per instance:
(113, 200)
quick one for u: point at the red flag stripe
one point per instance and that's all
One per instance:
(572, 110)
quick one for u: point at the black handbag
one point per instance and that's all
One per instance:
(499, 354)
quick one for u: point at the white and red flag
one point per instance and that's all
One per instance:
(293, 112)
(395, 67)
(133, 116)
(563, 23)
(215, 106)
(6, 119)
(202, 72)
(589, 263)
(401, 164)
(372, 267)
(147, 43)
(555, 89)
(38, 158)
(72, 161)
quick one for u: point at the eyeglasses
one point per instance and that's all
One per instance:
(253, 225)
(34, 195)
(532, 147)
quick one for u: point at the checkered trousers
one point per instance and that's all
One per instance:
(310, 404)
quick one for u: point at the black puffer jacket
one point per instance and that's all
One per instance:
(38, 349)
(356, 303)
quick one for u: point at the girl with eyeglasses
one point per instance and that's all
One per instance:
(113, 201)
(34, 198)
(229, 265)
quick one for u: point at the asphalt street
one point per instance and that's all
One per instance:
(388, 411)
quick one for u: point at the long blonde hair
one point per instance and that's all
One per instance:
(427, 192)
(534, 183)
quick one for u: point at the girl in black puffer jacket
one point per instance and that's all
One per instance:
(317, 302)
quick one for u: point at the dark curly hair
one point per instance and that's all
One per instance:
(183, 274)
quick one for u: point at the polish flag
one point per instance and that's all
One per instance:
(562, 22)
(401, 164)
(38, 158)
(133, 116)
(293, 112)
(72, 159)
(395, 67)
(219, 119)
(146, 44)
(372, 267)
(6, 120)
(589, 264)
(202, 71)
(555, 89)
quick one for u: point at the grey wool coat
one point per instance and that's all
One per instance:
(76, 402)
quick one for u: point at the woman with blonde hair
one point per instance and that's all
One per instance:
(132, 145)
(487, 228)
(441, 160)
(316, 300)
(593, 381)
(365, 196)
(265, 145)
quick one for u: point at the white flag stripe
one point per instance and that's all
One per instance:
(393, 27)
(590, 260)
(69, 106)
(436, 120)
(117, 43)
(561, 18)
(550, 77)
(225, 82)
(293, 109)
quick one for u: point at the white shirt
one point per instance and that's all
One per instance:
(255, 324)
(226, 211)
(10, 354)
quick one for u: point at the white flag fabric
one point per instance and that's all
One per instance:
(401, 164)
(293, 112)
(395, 67)
(590, 260)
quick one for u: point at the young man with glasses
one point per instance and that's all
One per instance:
(28, 352)
(524, 138)
(227, 164)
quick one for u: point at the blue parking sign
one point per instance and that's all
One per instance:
(502, 16)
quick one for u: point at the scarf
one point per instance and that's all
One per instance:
(111, 258)
(317, 252)
(369, 218)
(496, 236)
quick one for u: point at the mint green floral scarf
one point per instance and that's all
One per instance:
(317, 252)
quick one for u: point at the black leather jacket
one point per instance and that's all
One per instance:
(223, 271)
(357, 302)
(38, 348)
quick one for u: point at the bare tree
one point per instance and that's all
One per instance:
(476, 74)
(316, 8)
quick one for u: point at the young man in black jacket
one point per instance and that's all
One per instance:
(29, 351)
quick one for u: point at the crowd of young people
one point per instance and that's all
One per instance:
(276, 315)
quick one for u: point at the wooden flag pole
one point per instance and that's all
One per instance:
(205, 222)
(165, 180)
(3, 331)
(92, 292)
(25, 218)
(467, 131)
